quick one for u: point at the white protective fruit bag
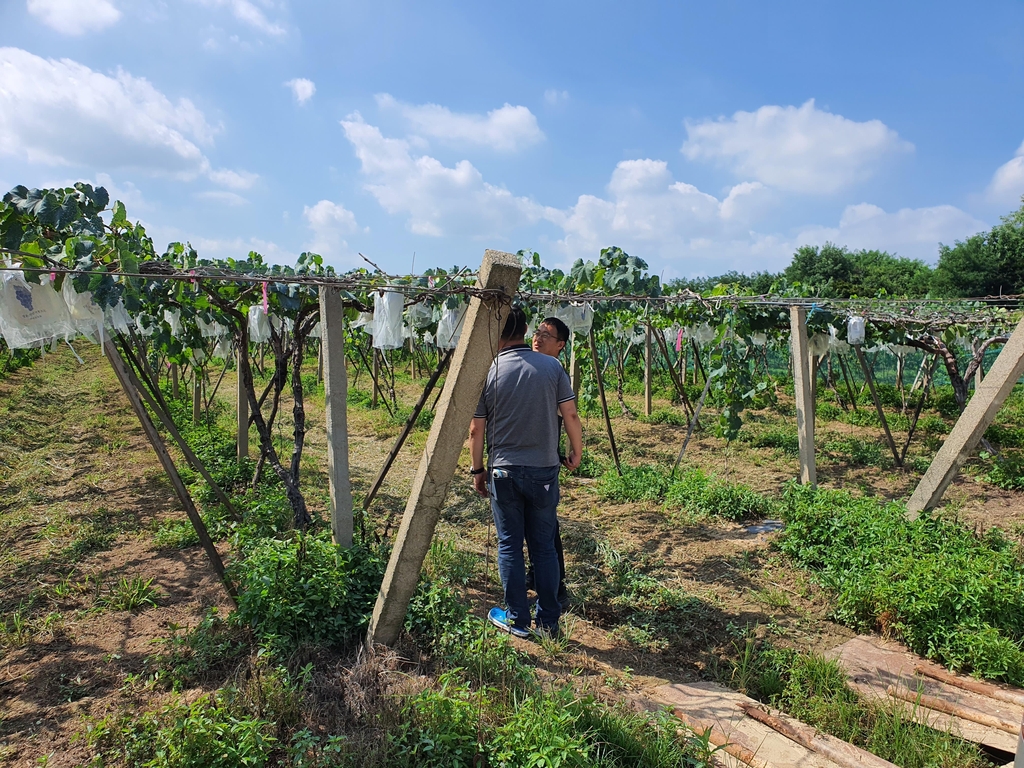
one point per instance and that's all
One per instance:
(86, 315)
(449, 327)
(31, 314)
(259, 325)
(387, 319)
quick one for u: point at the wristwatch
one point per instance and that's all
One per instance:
(477, 471)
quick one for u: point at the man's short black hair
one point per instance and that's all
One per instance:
(561, 329)
(515, 325)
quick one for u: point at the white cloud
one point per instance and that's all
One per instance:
(62, 113)
(247, 13)
(233, 179)
(505, 129)
(1007, 183)
(302, 88)
(554, 96)
(223, 197)
(75, 17)
(796, 149)
(670, 222)
(236, 248)
(910, 232)
(330, 223)
(436, 199)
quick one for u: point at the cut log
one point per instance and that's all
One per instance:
(949, 708)
(993, 691)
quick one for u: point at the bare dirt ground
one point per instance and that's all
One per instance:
(81, 491)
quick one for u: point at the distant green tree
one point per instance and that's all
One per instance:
(879, 273)
(757, 282)
(826, 271)
(987, 264)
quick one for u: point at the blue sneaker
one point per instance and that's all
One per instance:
(499, 618)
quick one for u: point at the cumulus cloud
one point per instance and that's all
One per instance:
(302, 88)
(505, 129)
(910, 232)
(1007, 183)
(435, 199)
(330, 223)
(247, 13)
(75, 17)
(60, 112)
(648, 212)
(796, 149)
(554, 96)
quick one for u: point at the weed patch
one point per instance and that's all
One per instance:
(701, 495)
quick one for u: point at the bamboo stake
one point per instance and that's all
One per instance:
(1010, 696)
(117, 363)
(838, 751)
(878, 407)
(409, 424)
(648, 404)
(720, 740)
(604, 402)
(957, 710)
(917, 410)
(846, 378)
(693, 424)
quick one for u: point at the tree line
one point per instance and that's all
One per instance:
(986, 264)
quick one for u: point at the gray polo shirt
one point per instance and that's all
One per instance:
(520, 402)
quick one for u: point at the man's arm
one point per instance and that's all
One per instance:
(574, 431)
(476, 452)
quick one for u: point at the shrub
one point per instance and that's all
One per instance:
(931, 583)
(665, 416)
(307, 590)
(707, 496)
(645, 483)
(781, 438)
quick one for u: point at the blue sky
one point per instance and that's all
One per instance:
(701, 137)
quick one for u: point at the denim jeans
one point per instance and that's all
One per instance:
(524, 501)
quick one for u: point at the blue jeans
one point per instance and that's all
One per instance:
(524, 501)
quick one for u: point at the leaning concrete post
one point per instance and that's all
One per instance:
(242, 411)
(574, 367)
(332, 345)
(197, 396)
(476, 349)
(804, 393)
(979, 414)
(1019, 760)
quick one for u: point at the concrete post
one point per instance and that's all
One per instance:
(197, 396)
(174, 381)
(465, 381)
(647, 371)
(332, 345)
(242, 411)
(804, 393)
(979, 414)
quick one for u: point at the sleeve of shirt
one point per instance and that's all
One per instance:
(565, 392)
(481, 407)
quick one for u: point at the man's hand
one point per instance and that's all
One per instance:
(572, 461)
(480, 484)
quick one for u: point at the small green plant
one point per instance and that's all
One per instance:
(670, 416)
(701, 495)
(780, 438)
(644, 483)
(131, 594)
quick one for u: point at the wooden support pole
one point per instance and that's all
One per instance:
(117, 363)
(687, 405)
(949, 708)
(332, 343)
(197, 396)
(803, 393)
(242, 411)
(979, 414)
(478, 342)
(174, 381)
(647, 371)
(375, 375)
(604, 401)
(574, 367)
(409, 424)
(878, 407)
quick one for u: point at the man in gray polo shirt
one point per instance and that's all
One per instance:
(525, 393)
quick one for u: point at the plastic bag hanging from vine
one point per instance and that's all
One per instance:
(31, 313)
(387, 319)
(259, 325)
(449, 327)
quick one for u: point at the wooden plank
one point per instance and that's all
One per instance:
(969, 429)
(803, 394)
(499, 274)
(719, 707)
(874, 664)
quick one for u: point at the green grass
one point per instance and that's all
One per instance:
(946, 592)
